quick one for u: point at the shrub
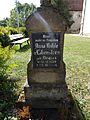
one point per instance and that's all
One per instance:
(12, 30)
(4, 38)
(23, 31)
(20, 30)
(7, 86)
(6, 31)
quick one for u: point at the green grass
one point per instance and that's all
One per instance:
(20, 58)
(77, 59)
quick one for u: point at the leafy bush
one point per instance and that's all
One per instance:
(4, 38)
(7, 86)
(23, 31)
(6, 31)
(13, 30)
(20, 30)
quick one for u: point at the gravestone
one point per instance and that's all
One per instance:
(46, 69)
(46, 90)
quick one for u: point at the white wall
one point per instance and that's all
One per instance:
(86, 24)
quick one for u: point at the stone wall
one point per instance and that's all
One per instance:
(76, 17)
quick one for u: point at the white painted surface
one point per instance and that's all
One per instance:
(86, 24)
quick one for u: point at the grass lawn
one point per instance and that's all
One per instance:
(77, 59)
(20, 58)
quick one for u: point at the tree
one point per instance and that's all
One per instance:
(3, 22)
(24, 10)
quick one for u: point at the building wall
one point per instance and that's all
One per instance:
(76, 17)
(75, 8)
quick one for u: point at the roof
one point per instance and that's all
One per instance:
(74, 5)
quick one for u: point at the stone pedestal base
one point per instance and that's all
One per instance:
(45, 95)
(53, 104)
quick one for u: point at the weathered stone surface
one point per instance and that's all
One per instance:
(46, 75)
(46, 90)
(46, 20)
(45, 2)
(47, 84)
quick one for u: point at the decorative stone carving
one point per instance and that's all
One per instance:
(45, 2)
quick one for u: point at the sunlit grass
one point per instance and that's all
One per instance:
(77, 59)
(21, 58)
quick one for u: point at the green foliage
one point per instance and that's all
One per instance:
(13, 30)
(23, 10)
(3, 22)
(6, 31)
(7, 86)
(63, 11)
(20, 30)
(4, 38)
(21, 58)
(23, 31)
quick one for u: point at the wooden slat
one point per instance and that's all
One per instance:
(20, 41)
(15, 36)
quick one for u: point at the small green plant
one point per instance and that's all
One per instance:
(7, 86)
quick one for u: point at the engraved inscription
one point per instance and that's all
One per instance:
(46, 50)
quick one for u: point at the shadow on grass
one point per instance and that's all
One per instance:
(74, 108)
